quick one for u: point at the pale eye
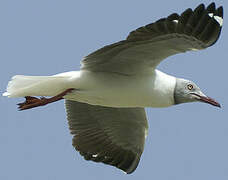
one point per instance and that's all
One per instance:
(190, 86)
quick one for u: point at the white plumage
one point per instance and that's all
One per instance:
(105, 89)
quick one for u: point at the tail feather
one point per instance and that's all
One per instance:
(21, 86)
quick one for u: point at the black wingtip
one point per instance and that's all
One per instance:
(211, 7)
(219, 11)
(173, 16)
(201, 7)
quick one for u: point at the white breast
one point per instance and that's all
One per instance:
(114, 90)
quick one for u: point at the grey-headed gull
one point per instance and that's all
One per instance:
(105, 100)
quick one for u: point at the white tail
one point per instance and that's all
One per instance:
(21, 86)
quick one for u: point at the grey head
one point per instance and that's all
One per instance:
(187, 91)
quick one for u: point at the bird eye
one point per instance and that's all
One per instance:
(190, 86)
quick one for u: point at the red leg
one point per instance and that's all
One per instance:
(31, 102)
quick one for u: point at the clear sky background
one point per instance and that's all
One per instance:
(45, 37)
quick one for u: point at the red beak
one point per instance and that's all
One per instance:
(207, 100)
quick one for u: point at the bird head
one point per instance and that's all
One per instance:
(187, 91)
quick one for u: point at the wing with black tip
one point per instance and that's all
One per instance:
(147, 46)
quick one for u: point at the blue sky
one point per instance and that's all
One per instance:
(46, 37)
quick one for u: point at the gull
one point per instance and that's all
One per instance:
(106, 99)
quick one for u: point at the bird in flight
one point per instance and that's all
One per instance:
(105, 100)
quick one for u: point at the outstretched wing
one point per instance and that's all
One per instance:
(147, 46)
(114, 136)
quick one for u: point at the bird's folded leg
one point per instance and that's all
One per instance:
(31, 102)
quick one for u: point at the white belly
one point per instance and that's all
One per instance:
(114, 90)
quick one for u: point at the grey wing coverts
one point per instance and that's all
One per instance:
(114, 136)
(147, 46)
